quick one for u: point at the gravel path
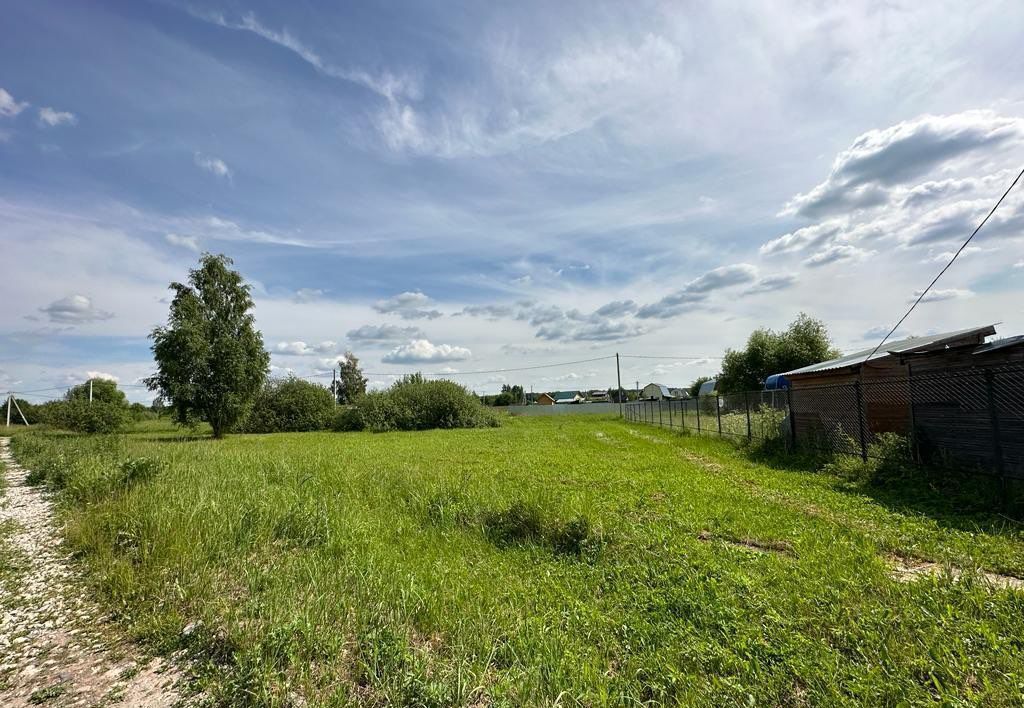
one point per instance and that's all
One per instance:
(56, 647)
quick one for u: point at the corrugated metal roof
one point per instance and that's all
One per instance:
(1000, 344)
(902, 346)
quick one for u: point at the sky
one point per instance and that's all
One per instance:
(464, 187)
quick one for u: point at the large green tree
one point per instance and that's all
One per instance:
(805, 341)
(210, 359)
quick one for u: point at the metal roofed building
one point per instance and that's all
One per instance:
(863, 394)
(888, 356)
(657, 392)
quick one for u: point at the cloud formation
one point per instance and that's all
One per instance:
(52, 118)
(213, 165)
(74, 309)
(189, 242)
(8, 106)
(940, 295)
(300, 348)
(408, 306)
(697, 290)
(879, 159)
(421, 351)
(388, 85)
(376, 334)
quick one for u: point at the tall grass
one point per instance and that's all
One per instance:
(549, 560)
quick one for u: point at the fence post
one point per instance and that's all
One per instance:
(661, 419)
(698, 415)
(792, 418)
(746, 402)
(993, 415)
(718, 412)
(670, 414)
(860, 422)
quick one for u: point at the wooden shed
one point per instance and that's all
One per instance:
(827, 397)
(967, 404)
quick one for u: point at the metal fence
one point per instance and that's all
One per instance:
(972, 418)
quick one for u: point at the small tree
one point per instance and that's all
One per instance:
(103, 391)
(210, 358)
(351, 384)
(695, 386)
(804, 342)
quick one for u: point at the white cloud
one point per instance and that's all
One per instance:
(388, 85)
(300, 348)
(940, 295)
(8, 106)
(101, 375)
(420, 351)
(213, 165)
(53, 118)
(189, 242)
(836, 253)
(946, 256)
(74, 309)
(408, 306)
(771, 283)
(308, 294)
(697, 290)
(879, 159)
(370, 334)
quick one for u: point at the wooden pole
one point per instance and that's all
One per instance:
(618, 378)
(9, 399)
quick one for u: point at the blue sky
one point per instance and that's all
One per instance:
(475, 186)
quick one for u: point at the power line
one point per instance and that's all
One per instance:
(946, 267)
(673, 358)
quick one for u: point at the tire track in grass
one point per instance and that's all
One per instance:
(56, 648)
(903, 567)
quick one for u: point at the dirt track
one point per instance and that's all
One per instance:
(56, 648)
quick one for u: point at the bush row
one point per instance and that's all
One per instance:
(414, 403)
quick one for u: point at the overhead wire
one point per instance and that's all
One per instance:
(946, 267)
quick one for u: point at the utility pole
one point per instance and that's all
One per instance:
(18, 408)
(334, 385)
(9, 399)
(90, 390)
(618, 378)
(638, 390)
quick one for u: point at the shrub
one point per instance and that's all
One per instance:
(890, 459)
(290, 405)
(417, 404)
(348, 418)
(85, 417)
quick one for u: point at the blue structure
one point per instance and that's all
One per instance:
(776, 382)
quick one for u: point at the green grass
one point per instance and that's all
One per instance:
(570, 560)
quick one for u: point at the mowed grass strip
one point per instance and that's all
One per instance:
(568, 560)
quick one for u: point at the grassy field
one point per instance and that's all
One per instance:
(548, 561)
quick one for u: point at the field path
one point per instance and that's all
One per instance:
(56, 648)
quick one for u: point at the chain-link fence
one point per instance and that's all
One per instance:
(760, 415)
(972, 418)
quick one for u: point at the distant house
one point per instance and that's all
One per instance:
(658, 392)
(563, 397)
(545, 399)
(598, 396)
